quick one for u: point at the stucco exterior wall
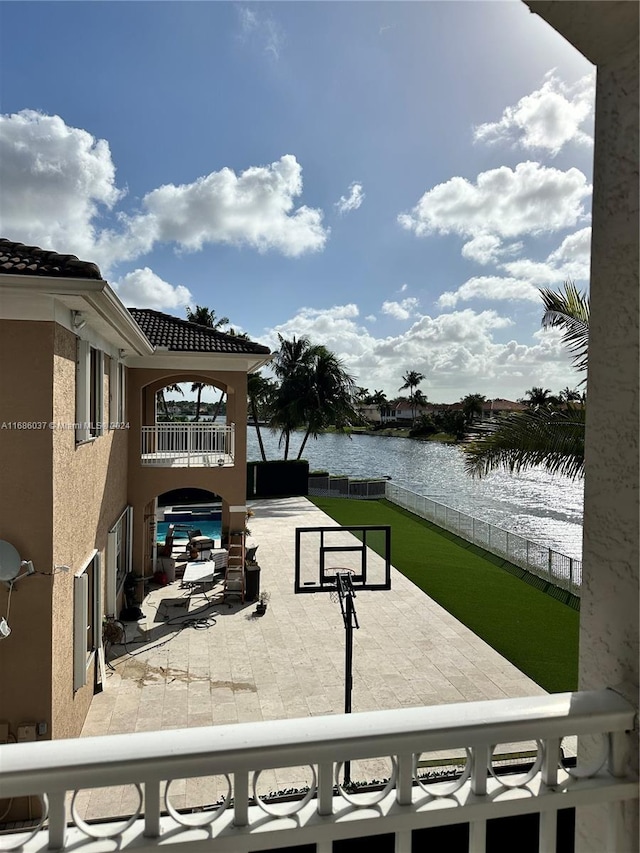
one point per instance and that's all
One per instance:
(89, 493)
(146, 482)
(25, 518)
(609, 643)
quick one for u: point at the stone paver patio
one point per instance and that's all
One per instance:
(235, 667)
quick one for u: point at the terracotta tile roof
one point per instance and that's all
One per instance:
(18, 259)
(178, 335)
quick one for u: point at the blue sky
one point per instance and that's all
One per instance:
(394, 180)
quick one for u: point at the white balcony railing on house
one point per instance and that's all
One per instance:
(243, 821)
(187, 445)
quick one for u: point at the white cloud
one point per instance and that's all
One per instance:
(490, 287)
(457, 352)
(403, 288)
(548, 118)
(487, 248)
(571, 260)
(142, 288)
(353, 200)
(400, 310)
(254, 208)
(531, 199)
(58, 180)
(262, 30)
(55, 182)
(371, 318)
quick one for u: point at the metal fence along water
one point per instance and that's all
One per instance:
(558, 569)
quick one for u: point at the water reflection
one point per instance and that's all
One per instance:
(537, 505)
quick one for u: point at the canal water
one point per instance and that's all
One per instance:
(536, 505)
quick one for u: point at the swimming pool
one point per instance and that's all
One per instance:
(196, 513)
(212, 529)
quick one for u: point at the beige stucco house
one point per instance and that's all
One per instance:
(82, 462)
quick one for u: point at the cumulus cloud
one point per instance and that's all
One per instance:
(530, 199)
(58, 181)
(459, 352)
(571, 260)
(254, 208)
(487, 248)
(351, 201)
(547, 119)
(400, 310)
(490, 287)
(142, 288)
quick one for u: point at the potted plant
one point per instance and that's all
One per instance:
(261, 607)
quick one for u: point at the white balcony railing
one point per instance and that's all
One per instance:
(243, 821)
(187, 445)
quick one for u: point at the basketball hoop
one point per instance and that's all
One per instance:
(333, 572)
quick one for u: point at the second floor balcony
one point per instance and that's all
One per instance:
(187, 445)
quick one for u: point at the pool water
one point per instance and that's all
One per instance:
(212, 529)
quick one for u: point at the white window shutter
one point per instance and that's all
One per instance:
(80, 620)
(112, 550)
(83, 390)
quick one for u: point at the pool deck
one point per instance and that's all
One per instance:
(235, 667)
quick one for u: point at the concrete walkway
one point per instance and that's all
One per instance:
(235, 667)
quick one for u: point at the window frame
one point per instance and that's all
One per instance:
(119, 557)
(89, 391)
(87, 617)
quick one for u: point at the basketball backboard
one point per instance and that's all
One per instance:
(362, 551)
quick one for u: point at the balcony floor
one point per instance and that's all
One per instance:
(165, 459)
(289, 663)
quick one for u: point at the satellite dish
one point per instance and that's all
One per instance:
(10, 562)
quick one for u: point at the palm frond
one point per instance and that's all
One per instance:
(550, 439)
(568, 309)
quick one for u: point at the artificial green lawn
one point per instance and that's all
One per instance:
(534, 631)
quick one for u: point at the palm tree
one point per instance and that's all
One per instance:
(162, 399)
(568, 310)
(314, 392)
(543, 436)
(379, 399)
(472, 405)
(260, 391)
(330, 396)
(417, 399)
(569, 395)
(205, 317)
(538, 396)
(411, 380)
(291, 364)
(546, 438)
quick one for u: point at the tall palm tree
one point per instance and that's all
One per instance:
(538, 396)
(315, 391)
(291, 365)
(163, 401)
(411, 380)
(330, 396)
(543, 436)
(260, 392)
(204, 316)
(472, 405)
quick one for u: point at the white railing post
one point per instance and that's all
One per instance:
(57, 820)
(152, 809)
(325, 788)
(404, 785)
(240, 799)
